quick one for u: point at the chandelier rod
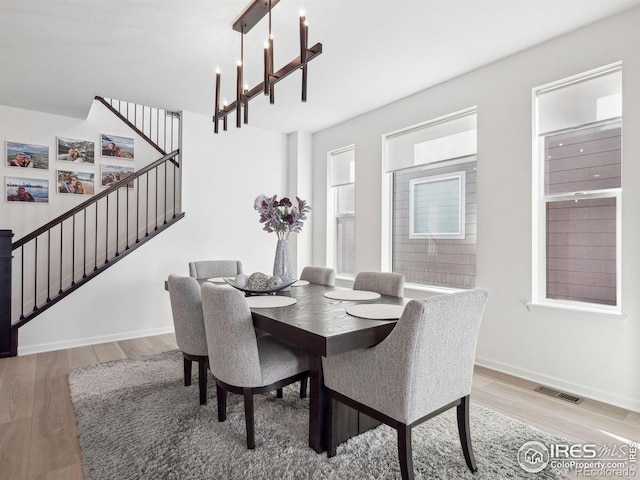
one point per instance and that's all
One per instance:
(285, 71)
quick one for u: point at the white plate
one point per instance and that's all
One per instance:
(376, 311)
(352, 295)
(300, 283)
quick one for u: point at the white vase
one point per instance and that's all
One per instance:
(282, 262)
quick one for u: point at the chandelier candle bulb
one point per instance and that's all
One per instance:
(272, 96)
(245, 101)
(224, 118)
(266, 68)
(239, 95)
(217, 109)
(303, 40)
(304, 36)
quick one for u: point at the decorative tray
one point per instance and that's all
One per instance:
(231, 281)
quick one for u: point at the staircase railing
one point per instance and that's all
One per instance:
(45, 266)
(59, 257)
(160, 128)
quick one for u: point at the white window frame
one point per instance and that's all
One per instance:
(331, 238)
(386, 210)
(539, 300)
(461, 181)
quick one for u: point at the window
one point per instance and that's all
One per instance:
(436, 206)
(579, 177)
(432, 212)
(341, 208)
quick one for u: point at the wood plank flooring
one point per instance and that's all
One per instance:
(38, 435)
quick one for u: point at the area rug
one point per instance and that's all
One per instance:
(137, 420)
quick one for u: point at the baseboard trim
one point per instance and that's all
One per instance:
(574, 388)
(81, 342)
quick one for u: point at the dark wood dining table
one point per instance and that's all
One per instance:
(321, 326)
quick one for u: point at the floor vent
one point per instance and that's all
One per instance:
(567, 397)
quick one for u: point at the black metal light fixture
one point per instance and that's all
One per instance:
(256, 12)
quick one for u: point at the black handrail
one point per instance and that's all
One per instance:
(95, 199)
(131, 119)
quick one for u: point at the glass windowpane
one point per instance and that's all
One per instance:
(581, 250)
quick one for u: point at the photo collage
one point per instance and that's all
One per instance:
(75, 172)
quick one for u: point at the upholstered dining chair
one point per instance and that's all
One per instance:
(384, 283)
(422, 368)
(320, 275)
(188, 321)
(215, 268)
(240, 362)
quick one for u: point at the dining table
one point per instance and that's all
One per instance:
(322, 327)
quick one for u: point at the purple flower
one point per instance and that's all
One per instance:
(281, 216)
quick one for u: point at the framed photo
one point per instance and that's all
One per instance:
(118, 147)
(30, 190)
(27, 155)
(80, 151)
(78, 183)
(111, 174)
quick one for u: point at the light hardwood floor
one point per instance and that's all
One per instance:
(38, 435)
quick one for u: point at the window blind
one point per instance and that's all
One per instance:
(342, 164)
(447, 138)
(594, 99)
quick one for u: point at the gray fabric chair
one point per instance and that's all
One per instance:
(382, 282)
(215, 268)
(186, 307)
(240, 362)
(421, 369)
(320, 275)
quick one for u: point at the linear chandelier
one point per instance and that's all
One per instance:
(249, 19)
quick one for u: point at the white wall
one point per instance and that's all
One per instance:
(585, 355)
(300, 184)
(222, 176)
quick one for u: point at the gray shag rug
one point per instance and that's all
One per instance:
(137, 420)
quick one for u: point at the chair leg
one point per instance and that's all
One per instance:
(202, 381)
(187, 372)
(404, 452)
(465, 433)
(303, 387)
(330, 441)
(248, 418)
(221, 395)
(279, 393)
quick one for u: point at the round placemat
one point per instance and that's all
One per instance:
(270, 301)
(376, 311)
(352, 295)
(300, 283)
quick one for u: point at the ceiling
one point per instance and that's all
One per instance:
(56, 55)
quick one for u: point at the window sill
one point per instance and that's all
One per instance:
(607, 316)
(415, 290)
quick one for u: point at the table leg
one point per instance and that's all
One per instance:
(318, 406)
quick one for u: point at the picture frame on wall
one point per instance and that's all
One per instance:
(27, 155)
(116, 146)
(28, 190)
(110, 174)
(79, 151)
(76, 183)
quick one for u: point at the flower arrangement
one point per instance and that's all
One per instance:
(281, 216)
